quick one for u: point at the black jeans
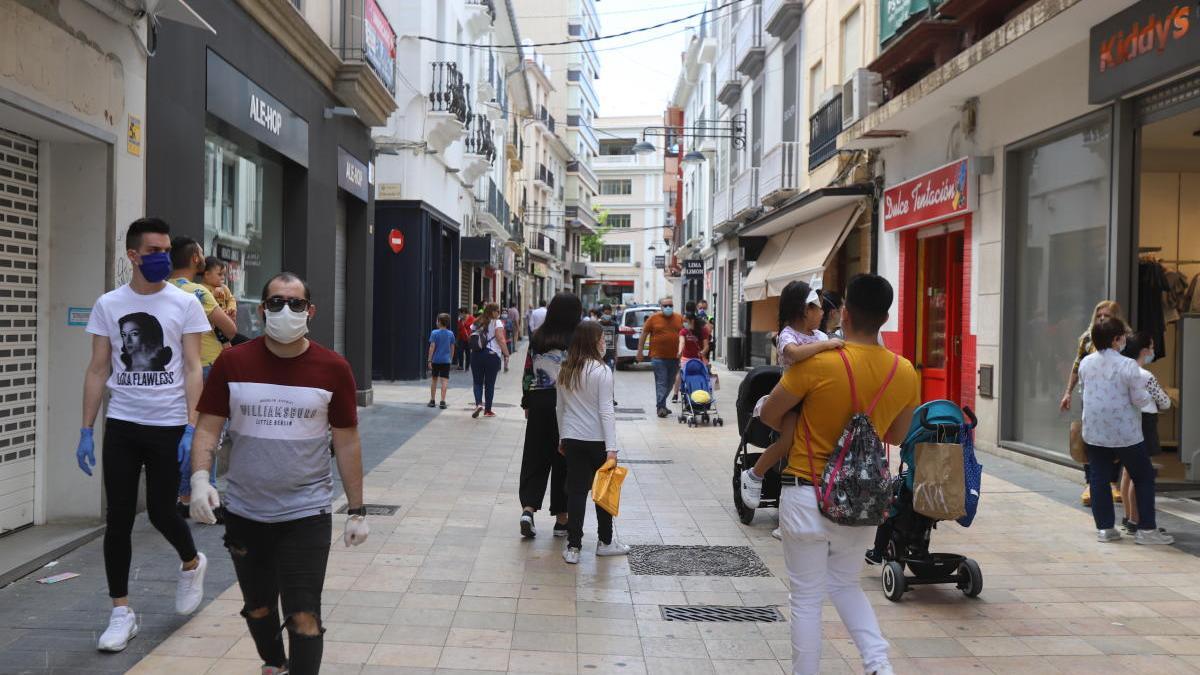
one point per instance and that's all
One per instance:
(127, 447)
(540, 459)
(1104, 471)
(583, 458)
(462, 356)
(281, 564)
(485, 365)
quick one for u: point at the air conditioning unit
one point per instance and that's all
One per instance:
(861, 95)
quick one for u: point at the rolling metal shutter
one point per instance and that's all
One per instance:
(339, 277)
(18, 327)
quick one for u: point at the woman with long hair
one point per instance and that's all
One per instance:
(1105, 309)
(485, 364)
(693, 339)
(540, 459)
(587, 422)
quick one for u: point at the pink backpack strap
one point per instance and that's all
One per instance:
(854, 389)
(850, 374)
(895, 365)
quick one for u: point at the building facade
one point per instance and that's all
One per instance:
(629, 266)
(1014, 204)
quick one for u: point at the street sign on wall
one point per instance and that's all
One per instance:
(693, 268)
(379, 44)
(940, 194)
(894, 13)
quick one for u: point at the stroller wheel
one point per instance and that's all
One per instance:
(704, 418)
(745, 514)
(970, 578)
(894, 584)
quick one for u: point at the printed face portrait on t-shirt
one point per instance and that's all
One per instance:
(142, 346)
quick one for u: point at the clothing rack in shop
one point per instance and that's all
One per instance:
(1180, 262)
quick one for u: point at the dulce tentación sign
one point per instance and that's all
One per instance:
(940, 194)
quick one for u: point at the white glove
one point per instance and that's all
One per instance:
(204, 499)
(356, 531)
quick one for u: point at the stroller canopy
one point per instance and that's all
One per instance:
(758, 383)
(695, 377)
(934, 413)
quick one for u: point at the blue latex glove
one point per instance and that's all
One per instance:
(185, 451)
(85, 452)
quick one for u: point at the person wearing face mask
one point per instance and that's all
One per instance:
(1140, 348)
(1114, 392)
(283, 395)
(661, 330)
(146, 351)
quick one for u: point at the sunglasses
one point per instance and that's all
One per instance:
(275, 303)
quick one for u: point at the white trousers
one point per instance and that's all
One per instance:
(822, 558)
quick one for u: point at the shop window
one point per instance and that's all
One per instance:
(243, 200)
(1058, 215)
(615, 253)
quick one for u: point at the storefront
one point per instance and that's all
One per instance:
(929, 218)
(263, 164)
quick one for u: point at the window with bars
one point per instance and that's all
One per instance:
(618, 220)
(620, 186)
(615, 253)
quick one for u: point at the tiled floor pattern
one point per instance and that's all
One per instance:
(447, 586)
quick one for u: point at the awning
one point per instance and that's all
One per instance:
(806, 208)
(801, 253)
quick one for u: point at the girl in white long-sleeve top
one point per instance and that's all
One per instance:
(587, 427)
(1114, 392)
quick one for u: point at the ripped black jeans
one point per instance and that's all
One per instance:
(281, 564)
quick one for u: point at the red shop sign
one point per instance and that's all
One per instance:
(940, 194)
(396, 240)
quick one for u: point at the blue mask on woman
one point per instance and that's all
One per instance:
(155, 267)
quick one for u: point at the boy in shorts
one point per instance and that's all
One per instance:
(441, 354)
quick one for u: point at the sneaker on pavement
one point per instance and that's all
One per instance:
(560, 529)
(873, 557)
(189, 591)
(274, 670)
(777, 534)
(571, 555)
(478, 412)
(751, 490)
(527, 529)
(612, 548)
(432, 403)
(675, 397)
(663, 412)
(885, 669)
(1128, 527)
(488, 413)
(1110, 534)
(442, 405)
(1153, 538)
(122, 627)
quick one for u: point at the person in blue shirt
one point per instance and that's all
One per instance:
(441, 354)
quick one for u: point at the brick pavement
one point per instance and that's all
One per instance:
(448, 586)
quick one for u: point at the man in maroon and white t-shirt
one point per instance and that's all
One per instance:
(282, 395)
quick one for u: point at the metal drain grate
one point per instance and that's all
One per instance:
(697, 561)
(646, 461)
(375, 509)
(720, 614)
(633, 411)
(620, 418)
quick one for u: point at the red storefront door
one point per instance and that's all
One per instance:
(939, 315)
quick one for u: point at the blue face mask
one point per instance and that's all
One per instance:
(668, 310)
(155, 266)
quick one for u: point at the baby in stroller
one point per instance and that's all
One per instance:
(802, 310)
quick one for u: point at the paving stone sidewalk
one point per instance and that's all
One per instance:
(447, 585)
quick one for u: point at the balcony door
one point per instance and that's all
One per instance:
(939, 315)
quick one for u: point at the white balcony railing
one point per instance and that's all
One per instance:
(781, 172)
(722, 205)
(615, 160)
(748, 45)
(745, 193)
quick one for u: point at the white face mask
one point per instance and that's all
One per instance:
(1148, 359)
(286, 326)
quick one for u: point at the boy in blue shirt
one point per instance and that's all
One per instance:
(441, 354)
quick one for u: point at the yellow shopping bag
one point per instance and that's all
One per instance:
(606, 486)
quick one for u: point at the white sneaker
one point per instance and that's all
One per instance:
(885, 669)
(122, 627)
(190, 589)
(751, 490)
(1107, 535)
(612, 548)
(777, 534)
(1153, 538)
(571, 555)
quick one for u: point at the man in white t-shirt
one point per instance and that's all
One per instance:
(146, 351)
(537, 317)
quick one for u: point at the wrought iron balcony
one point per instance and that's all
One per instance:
(546, 118)
(479, 138)
(823, 129)
(449, 91)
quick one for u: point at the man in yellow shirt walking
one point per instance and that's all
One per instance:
(821, 556)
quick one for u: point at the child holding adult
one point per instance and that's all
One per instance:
(587, 426)
(440, 356)
(800, 314)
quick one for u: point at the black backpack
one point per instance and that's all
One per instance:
(480, 337)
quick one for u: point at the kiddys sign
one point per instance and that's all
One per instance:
(1148, 42)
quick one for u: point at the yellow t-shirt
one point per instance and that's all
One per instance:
(223, 297)
(210, 346)
(822, 385)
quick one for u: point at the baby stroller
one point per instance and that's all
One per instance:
(696, 394)
(903, 539)
(758, 383)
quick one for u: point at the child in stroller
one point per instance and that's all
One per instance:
(801, 311)
(699, 406)
(903, 539)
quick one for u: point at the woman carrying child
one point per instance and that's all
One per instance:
(800, 313)
(586, 424)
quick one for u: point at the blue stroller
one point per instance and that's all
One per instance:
(902, 541)
(698, 405)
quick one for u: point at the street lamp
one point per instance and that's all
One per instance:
(694, 157)
(644, 148)
(734, 129)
